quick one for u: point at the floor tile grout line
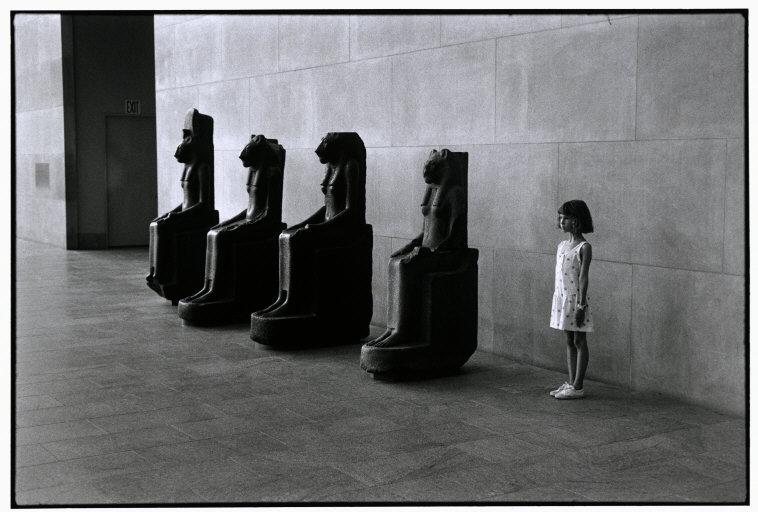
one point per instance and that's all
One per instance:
(101, 454)
(90, 478)
(134, 413)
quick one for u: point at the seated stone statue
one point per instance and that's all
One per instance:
(177, 238)
(242, 258)
(325, 261)
(432, 303)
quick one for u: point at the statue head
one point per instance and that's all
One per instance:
(440, 168)
(261, 150)
(197, 138)
(336, 146)
(447, 172)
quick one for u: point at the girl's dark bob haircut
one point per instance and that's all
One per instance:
(577, 209)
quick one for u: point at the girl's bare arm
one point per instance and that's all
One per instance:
(585, 254)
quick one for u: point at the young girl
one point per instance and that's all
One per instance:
(571, 312)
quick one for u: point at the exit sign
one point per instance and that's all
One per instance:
(132, 107)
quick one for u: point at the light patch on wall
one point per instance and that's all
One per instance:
(42, 175)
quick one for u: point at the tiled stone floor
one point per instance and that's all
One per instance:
(117, 402)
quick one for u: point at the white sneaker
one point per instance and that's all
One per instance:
(560, 388)
(570, 393)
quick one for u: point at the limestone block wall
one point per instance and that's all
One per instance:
(641, 116)
(39, 157)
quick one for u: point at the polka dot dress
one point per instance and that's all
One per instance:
(566, 294)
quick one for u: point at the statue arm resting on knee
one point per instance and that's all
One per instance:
(316, 218)
(240, 216)
(416, 242)
(165, 215)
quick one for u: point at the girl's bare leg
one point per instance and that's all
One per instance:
(582, 358)
(570, 355)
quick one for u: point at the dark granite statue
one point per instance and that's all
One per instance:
(432, 303)
(325, 261)
(177, 238)
(242, 259)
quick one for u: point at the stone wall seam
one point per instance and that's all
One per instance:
(431, 49)
(321, 66)
(173, 53)
(167, 29)
(605, 260)
(632, 381)
(631, 327)
(666, 139)
(520, 34)
(484, 144)
(601, 21)
(683, 269)
(174, 24)
(616, 141)
(558, 180)
(45, 242)
(350, 38)
(392, 98)
(250, 110)
(675, 139)
(189, 86)
(278, 44)
(497, 76)
(284, 53)
(723, 203)
(494, 110)
(636, 79)
(51, 107)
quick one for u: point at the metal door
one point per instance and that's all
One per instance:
(132, 179)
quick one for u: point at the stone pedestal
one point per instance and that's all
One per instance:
(177, 254)
(335, 306)
(444, 335)
(432, 302)
(251, 280)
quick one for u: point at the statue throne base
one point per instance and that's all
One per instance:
(339, 308)
(177, 255)
(445, 336)
(251, 283)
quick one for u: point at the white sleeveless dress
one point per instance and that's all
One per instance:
(566, 294)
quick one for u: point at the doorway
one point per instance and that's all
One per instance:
(132, 179)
